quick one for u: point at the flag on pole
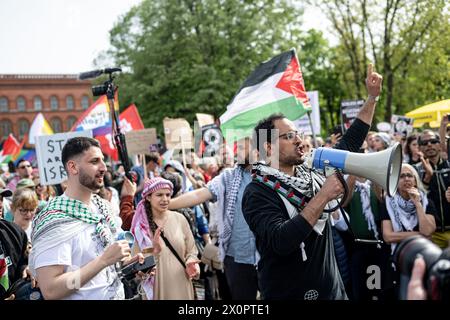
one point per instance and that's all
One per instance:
(10, 146)
(18, 153)
(129, 120)
(275, 86)
(39, 127)
(96, 118)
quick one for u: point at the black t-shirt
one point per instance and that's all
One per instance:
(13, 248)
(431, 209)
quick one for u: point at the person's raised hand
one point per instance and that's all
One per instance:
(373, 81)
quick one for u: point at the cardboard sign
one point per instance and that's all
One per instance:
(349, 112)
(302, 123)
(204, 119)
(401, 125)
(141, 141)
(48, 154)
(178, 133)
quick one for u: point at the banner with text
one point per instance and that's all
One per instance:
(48, 154)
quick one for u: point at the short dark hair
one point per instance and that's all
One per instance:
(20, 161)
(76, 146)
(266, 124)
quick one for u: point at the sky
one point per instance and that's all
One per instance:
(65, 36)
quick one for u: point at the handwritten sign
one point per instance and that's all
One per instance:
(48, 154)
(140, 141)
(178, 133)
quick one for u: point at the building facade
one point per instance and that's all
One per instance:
(62, 99)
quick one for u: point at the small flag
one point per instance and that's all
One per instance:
(39, 127)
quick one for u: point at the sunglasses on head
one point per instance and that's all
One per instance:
(425, 142)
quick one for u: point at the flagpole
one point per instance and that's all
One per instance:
(312, 129)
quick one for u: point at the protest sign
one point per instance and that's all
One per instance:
(302, 123)
(349, 112)
(48, 154)
(204, 119)
(401, 125)
(178, 133)
(140, 141)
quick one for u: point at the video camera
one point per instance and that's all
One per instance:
(108, 88)
(437, 276)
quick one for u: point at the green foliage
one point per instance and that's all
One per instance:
(186, 56)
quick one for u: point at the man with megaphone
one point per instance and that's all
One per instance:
(284, 207)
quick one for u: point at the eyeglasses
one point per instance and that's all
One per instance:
(291, 135)
(425, 142)
(25, 211)
(406, 175)
(25, 166)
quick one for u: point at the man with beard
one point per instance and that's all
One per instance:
(284, 207)
(435, 174)
(74, 254)
(237, 246)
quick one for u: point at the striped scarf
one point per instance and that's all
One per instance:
(227, 193)
(62, 210)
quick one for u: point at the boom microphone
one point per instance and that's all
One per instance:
(96, 73)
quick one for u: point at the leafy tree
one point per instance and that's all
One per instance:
(402, 38)
(189, 56)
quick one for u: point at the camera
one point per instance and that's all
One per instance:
(437, 276)
(100, 89)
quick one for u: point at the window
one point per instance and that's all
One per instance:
(69, 103)
(53, 103)
(56, 124)
(70, 122)
(85, 102)
(5, 128)
(4, 107)
(24, 128)
(21, 107)
(37, 103)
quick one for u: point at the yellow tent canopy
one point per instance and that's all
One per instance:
(431, 113)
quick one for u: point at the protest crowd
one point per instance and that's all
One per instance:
(218, 224)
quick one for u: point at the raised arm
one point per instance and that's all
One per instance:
(190, 199)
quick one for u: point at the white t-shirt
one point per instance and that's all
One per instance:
(77, 252)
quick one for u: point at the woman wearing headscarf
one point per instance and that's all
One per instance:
(151, 223)
(409, 212)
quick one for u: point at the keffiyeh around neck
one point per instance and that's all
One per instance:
(306, 182)
(403, 212)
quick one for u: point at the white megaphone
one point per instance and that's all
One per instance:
(381, 167)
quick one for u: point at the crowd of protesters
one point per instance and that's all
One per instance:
(204, 223)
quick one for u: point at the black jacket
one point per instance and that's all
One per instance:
(281, 270)
(13, 245)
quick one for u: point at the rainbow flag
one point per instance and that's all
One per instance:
(39, 127)
(97, 117)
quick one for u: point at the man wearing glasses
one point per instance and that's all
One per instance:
(435, 174)
(24, 170)
(284, 204)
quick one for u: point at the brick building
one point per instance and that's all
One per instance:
(61, 98)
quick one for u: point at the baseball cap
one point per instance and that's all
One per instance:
(25, 183)
(5, 192)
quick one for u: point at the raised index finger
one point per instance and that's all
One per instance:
(369, 69)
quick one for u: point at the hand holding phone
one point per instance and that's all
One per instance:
(130, 271)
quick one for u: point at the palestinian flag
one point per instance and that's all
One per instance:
(276, 86)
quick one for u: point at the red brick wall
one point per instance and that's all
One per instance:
(44, 86)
